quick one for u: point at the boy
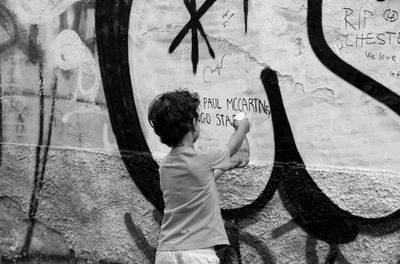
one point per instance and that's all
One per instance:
(192, 225)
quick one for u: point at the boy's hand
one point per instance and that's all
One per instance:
(242, 123)
(237, 163)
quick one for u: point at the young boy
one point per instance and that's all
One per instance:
(192, 225)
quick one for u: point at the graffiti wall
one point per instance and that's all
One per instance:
(318, 80)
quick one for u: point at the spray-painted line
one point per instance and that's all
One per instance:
(34, 201)
(310, 208)
(246, 13)
(112, 24)
(236, 244)
(226, 254)
(1, 118)
(140, 239)
(41, 158)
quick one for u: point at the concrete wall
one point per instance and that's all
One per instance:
(318, 79)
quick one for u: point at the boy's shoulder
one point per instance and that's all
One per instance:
(209, 153)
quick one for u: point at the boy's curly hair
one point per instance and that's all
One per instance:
(171, 115)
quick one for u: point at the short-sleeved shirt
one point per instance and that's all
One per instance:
(192, 214)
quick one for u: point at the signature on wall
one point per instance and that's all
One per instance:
(227, 16)
(208, 70)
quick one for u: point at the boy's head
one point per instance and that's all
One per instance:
(173, 115)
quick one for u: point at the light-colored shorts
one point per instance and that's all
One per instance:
(192, 256)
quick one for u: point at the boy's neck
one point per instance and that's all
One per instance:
(187, 141)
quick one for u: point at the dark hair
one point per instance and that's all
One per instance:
(171, 115)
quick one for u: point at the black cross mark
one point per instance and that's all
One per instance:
(246, 13)
(194, 25)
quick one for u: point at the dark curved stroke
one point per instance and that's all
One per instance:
(311, 209)
(112, 22)
(373, 226)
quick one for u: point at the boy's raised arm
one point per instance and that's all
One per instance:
(242, 127)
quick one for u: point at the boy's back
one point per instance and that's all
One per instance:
(192, 217)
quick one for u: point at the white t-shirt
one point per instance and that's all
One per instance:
(192, 214)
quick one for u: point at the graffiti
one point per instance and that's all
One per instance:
(1, 119)
(194, 25)
(390, 15)
(42, 150)
(64, 62)
(358, 79)
(8, 26)
(14, 225)
(226, 254)
(361, 23)
(118, 89)
(360, 20)
(211, 71)
(219, 105)
(112, 46)
(33, 12)
(109, 146)
(310, 208)
(140, 239)
(71, 54)
(238, 237)
(29, 51)
(246, 13)
(227, 16)
(334, 255)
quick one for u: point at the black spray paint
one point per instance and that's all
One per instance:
(1, 118)
(194, 25)
(246, 13)
(112, 22)
(33, 49)
(227, 255)
(42, 150)
(78, 24)
(310, 208)
(140, 239)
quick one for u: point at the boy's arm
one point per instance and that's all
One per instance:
(242, 127)
(218, 173)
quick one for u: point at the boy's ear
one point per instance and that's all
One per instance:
(190, 125)
(193, 124)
